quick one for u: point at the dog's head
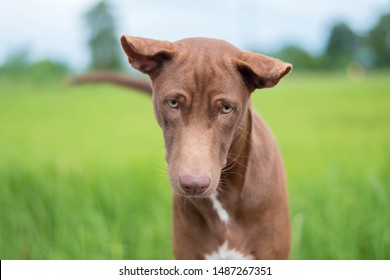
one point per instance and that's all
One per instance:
(201, 91)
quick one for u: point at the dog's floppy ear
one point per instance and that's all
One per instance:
(260, 71)
(146, 55)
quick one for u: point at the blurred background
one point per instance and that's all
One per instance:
(82, 171)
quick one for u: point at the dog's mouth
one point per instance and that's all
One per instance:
(205, 194)
(193, 196)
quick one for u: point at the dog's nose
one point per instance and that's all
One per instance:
(194, 185)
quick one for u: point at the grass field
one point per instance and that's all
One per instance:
(82, 172)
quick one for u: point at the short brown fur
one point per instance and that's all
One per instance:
(216, 143)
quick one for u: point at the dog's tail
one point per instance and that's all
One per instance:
(112, 78)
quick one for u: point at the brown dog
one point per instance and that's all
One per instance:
(229, 193)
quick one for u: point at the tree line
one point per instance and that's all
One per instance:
(371, 49)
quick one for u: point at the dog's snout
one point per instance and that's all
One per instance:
(194, 185)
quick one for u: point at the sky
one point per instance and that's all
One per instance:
(57, 30)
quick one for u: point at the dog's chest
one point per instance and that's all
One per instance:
(228, 249)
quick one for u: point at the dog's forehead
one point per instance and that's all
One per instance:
(206, 46)
(202, 65)
(202, 68)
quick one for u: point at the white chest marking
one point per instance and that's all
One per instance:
(222, 214)
(226, 253)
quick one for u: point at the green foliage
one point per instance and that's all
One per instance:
(342, 41)
(299, 58)
(19, 68)
(103, 41)
(82, 173)
(17, 63)
(378, 39)
(46, 69)
(344, 46)
(40, 72)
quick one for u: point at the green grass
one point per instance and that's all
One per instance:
(82, 173)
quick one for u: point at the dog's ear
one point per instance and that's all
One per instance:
(147, 55)
(260, 71)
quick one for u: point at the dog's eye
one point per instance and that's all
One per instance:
(173, 103)
(226, 109)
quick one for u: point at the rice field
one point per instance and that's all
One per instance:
(82, 172)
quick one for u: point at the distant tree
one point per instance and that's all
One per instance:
(378, 41)
(19, 67)
(46, 69)
(342, 45)
(298, 57)
(103, 42)
(17, 62)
